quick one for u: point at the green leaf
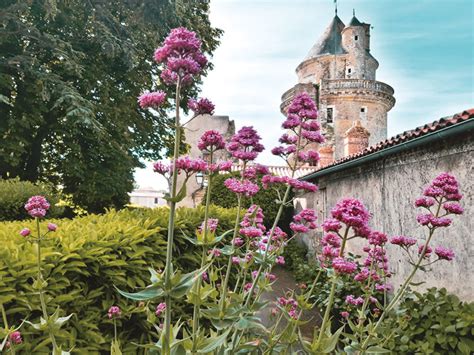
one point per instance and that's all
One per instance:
(377, 350)
(214, 342)
(115, 348)
(148, 293)
(186, 282)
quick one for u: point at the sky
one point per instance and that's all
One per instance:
(425, 49)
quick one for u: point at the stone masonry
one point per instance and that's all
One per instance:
(340, 73)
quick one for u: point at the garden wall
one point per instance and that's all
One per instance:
(389, 186)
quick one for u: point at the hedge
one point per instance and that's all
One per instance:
(14, 194)
(83, 261)
(221, 196)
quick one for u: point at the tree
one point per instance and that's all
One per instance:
(70, 73)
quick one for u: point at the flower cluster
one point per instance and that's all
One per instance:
(343, 266)
(351, 212)
(254, 171)
(305, 130)
(245, 187)
(181, 55)
(290, 305)
(202, 106)
(278, 240)
(211, 140)
(15, 338)
(403, 241)
(245, 144)
(252, 223)
(304, 221)
(37, 206)
(211, 225)
(152, 99)
(160, 309)
(269, 180)
(114, 312)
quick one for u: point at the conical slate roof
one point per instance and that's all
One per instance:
(330, 41)
(354, 22)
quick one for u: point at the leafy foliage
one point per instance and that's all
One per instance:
(70, 73)
(434, 322)
(83, 261)
(14, 194)
(220, 196)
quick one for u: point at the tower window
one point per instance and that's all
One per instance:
(349, 71)
(329, 115)
(362, 109)
(156, 200)
(356, 38)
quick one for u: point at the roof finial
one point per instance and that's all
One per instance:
(335, 6)
(353, 12)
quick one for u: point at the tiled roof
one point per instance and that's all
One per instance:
(408, 136)
(283, 170)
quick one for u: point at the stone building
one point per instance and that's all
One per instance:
(389, 176)
(340, 73)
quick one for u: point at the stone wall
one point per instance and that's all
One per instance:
(389, 186)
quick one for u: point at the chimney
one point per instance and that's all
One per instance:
(326, 156)
(356, 139)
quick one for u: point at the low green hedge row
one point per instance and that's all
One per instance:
(14, 194)
(83, 261)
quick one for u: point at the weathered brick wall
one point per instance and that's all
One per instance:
(388, 187)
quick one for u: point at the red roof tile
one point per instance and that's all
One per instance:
(409, 135)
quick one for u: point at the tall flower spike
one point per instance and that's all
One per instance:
(201, 107)
(152, 99)
(211, 140)
(181, 55)
(245, 145)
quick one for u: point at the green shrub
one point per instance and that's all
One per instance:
(266, 199)
(434, 322)
(83, 261)
(14, 194)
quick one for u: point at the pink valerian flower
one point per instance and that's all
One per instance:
(252, 172)
(288, 138)
(114, 312)
(190, 165)
(303, 107)
(245, 144)
(343, 266)
(238, 242)
(202, 106)
(351, 212)
(161, 168)
(205, 277)
(251, 232)
(181, 55)
(427, 252)
(220, 166)
(445, 186)
(52, 227)
(377, 238)
(15, 337)
(236, 260)
(267, 276)
(310, 156)
(248, 286)
(37, 206)
(152, 99)
(315, 137)
(331, 225)
(453, 207)
(215, 252)
(444, 253)
(280, 260)
(350, 299)
(269, 180)
(25, 232)
(304, 221)
(245, 187)
(377, 256)
(424, 202)
(211, 225)
(290, 305)
(253, 217)
(160, 309)
(403, 241)
(211, 140)
(344, 314)
(430, 220)
(383, 287)
(331, 239)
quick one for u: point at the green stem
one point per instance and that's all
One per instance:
(115, 330)
(333, 292)
(4, 316)
(229, 263)
(40, 283)
(169, 246)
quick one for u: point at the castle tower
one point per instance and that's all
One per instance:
(340, 73)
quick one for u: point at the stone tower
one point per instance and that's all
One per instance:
(340, 73)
